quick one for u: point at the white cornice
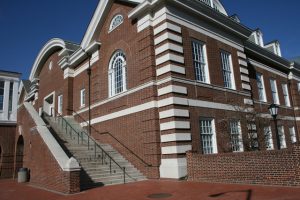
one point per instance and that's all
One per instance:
(51, 46)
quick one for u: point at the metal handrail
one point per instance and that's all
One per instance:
(104, 154)
(77, 114)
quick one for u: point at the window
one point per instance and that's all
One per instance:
(227, 70)
(117, 73)
(286, 94)
(115, 22)
(60, 104)
(281, 137)
(298, 86)
(274, 91)
(236, 136)
(261, 87)
(293, 134)
(10, 101)
(268, 138)
(82, 98)
(208, 136)
(1, 95)
(200, 62)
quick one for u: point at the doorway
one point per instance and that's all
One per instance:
(19, 153)
(48, 105)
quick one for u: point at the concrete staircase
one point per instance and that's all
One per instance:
(101, 163)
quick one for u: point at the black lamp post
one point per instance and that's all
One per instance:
(89, 72)
(273, 108)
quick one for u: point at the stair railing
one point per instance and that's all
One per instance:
(108, 133)
(70, 130)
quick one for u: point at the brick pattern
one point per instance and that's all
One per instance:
(44, 169)
(265, 167)
(7, 149)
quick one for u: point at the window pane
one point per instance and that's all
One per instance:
(281, 137)
(11, 88)
(260, 86)
(293, 135)
(207, 136)
(268, 138)
(274, 91)
(227, 73)
(117, 73)
(1, 94)
(199, 61)
(236, 136)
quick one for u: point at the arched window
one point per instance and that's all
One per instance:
(115, 22)
(117, 73)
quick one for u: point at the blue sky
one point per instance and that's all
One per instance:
(27, 25)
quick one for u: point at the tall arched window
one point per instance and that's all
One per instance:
(115, 22)
(117, 73)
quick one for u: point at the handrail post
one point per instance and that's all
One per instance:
(102, 157)
(110, 164)
(95, 149)
(88, 142)
(124, 175)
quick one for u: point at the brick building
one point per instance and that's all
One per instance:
(9, 85)
(158, 79)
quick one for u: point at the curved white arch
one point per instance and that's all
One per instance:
(220, 7)
(50, 47)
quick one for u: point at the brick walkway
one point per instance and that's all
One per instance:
(10, 190)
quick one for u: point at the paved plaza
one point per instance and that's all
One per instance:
(154, 189)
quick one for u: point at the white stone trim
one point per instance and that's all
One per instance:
(244, 70)
(248, 101)
(174, 113)
(167, 25)
(170, 68)
(267, 68)
(172, 89)
(175, 125)
(169, 57)
(173, 168)
(241, 55)
(66, 163)
(176, 149)
(246, 86)
(168, 46)
(125, 112)
(243, 63)
(167, 36)
(176, 137)
(245, 78)
(172, 101)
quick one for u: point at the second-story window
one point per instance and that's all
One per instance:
(1, 95)
(200, 62)
(10, 99)
(274, 91)
(286, 94)
(60, 104)
(227, 68)
(82, 98)
(261, 87)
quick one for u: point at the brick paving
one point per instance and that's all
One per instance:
(10, 190)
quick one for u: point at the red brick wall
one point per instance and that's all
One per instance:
(44, 169)
(265, 167)
(7, 148)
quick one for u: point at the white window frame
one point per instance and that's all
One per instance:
(112, 73)
(261, 91)
(114, 24)
(281, 137)
(200, 59)
(286, 94)
(276, 97)
(225, 54)
(298, 84)
(2, 108)
(60, 104)
(268, 138)
(213, 134)
(82, 98)
(293, 134)
(234, 133)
